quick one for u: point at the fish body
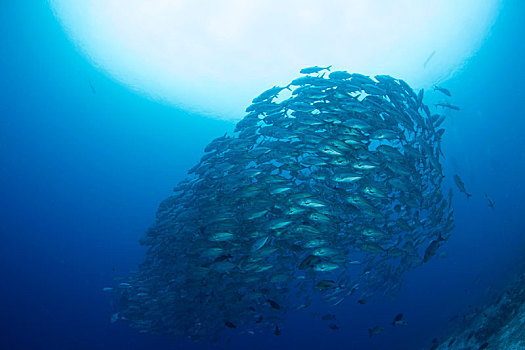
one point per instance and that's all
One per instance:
(429, 58)
(314, 69)
(325, 267)
(442, 90)
(328, 317)
(491, 202)
(375, 331)
(273, 304)
(447, 105)
(258, 244)
(399, 321)
(432, 248)
(461, 185)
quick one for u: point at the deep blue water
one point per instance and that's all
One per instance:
(82, 174)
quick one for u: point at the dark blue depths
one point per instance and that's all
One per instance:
(82, 173)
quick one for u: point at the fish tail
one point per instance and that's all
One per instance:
(370, 333)
(468, 195)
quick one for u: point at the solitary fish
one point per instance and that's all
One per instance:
(447, 105)
(375, 331)
(428, 59)
(333, 326)
(229, 324)
(442, 90)
(491, 202)
(461, 185)
(399, 321)
(328, 317)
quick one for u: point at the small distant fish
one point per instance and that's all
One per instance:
(399, 321)
(375, 331)
(92, 88)
(107, 289)
(314, 69)
(229, 324)
(483, 346)
(461, 185)
(447, 105)
(442, 90)
(223, 258)
(450, 195)
(491, 202)
(361, 301)
(328, 317)
(333, 326)
(273, 304)
(277, 331)
(429, 58)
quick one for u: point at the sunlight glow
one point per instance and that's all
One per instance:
(213, 57)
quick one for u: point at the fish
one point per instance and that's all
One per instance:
(491, 202)
(340, 75)
(325, 285)
(229, 324)
(429, 58)
(333, 326)
(451, 342)
(276, 330)
(375, 331)
(432, 248)
(328, 317)
(92, 87)
(270, 93)
(326, 267)
(461, 185)
(314, 69)
(442, 90)
(273, 304)
(399, 321)
(258, 244)
(223, 258)
(420, 98)
(447, 105)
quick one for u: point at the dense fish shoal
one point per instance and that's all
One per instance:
(329, 188)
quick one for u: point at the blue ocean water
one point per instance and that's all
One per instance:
(84, 163)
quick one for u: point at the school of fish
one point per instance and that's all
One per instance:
(329, 188)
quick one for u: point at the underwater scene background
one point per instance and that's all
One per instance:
(85, 162)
